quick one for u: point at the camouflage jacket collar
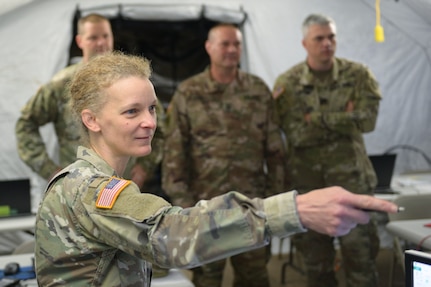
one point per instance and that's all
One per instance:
(216, 86)
(307, 77)
(94, 159)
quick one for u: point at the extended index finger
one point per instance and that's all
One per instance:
(371, 203)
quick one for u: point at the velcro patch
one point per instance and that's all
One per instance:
(108, 195)
(277, 92)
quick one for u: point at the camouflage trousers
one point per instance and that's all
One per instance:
(249, 270)
(359, 250)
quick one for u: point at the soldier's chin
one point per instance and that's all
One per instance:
(144, 151)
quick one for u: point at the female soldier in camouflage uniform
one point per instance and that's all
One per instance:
(95, 228)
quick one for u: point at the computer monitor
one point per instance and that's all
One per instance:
(15, 197)
(383, 165)
(418, 268)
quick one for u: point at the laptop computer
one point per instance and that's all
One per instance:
(384, 165)
(418, 268)
(15, 198)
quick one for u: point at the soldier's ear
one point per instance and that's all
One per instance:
(207, 46)
(89, 120)
(78, 40)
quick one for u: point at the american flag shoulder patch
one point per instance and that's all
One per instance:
(108, 195)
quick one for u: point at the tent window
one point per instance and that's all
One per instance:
(171, 37)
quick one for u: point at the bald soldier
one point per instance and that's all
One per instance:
(323, 105)
(221, 137)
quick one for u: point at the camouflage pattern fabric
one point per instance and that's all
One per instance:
(359, 249)
(221, 137)
(79, 244)
(49, 104)
(253, 275)
(329, 150)
(66, 73)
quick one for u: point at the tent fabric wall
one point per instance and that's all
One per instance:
(35, 44)
(171, 35)
(37, 34)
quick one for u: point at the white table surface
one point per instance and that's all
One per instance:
(17, 223)
(175, 278)
(418, 182)
(407, 184)
(413, 231)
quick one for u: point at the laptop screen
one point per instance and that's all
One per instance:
(418, 268)
(15, 197)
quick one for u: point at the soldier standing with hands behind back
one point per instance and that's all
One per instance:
(324, 105)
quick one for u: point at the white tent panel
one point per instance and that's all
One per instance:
(162, 12)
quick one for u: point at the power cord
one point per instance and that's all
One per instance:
(412, 148)
(419, 247)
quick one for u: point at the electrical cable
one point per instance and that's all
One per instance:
(412, 148)
(419, 247)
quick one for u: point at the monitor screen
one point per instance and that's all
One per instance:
(418, 268)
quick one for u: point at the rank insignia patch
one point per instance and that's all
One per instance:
(108, 195)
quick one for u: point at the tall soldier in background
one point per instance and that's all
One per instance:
(324, 105)
(51, 105)
(220, 137)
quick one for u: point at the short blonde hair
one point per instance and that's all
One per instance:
(87, 89)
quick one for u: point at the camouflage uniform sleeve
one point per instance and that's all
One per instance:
(274, 154)
(222, 227)
(39, 110)
(175, 237)
(154, 159)
(146, 226)
(175, 166)
(366, 98)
